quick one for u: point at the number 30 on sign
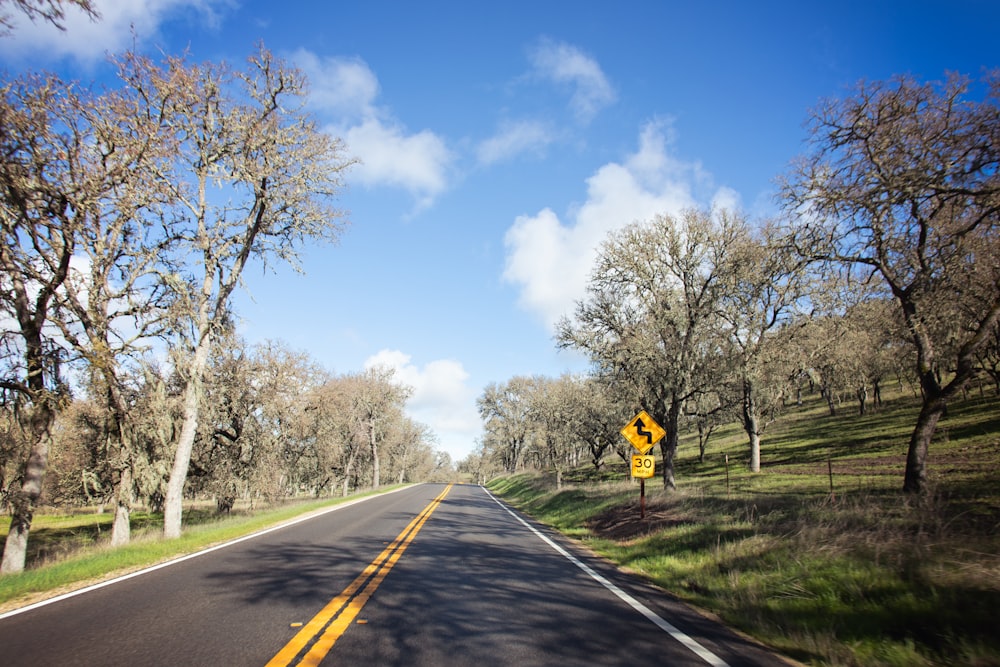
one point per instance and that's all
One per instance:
(643, 466)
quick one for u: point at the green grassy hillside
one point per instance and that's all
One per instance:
(820, 555)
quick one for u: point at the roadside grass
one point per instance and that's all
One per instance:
(820, 555)
(566, 510)
(71, 551)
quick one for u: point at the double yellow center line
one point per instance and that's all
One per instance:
(334, 619)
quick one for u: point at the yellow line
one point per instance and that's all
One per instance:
(385, 560)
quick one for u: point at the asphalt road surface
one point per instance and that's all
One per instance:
(431, 575)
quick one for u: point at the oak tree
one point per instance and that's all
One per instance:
(764, 284)
(252, 179)
(58, 171)
(651, 316)
(903, 181)
(506, 413)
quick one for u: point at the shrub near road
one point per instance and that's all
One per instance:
(860, 575)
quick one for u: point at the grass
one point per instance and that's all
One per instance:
(69, 551)
(856, 574)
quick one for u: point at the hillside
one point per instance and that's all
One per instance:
(820, 555)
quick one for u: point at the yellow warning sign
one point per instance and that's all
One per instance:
(643, 432)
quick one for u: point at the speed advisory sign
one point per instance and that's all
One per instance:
(643, 466)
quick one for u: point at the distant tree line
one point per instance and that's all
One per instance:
(885, 265)
(274, 425)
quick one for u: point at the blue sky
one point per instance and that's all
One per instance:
(501, 142)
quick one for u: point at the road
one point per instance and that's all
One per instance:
(432, 575)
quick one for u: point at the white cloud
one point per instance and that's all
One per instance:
(346, 87)
(727, 198)
(417, 162)
(88, 40)
(551, 260)
(565, 64)
(346, 91)
(441, 398)
(514, 139)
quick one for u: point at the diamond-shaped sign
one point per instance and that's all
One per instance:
(643, 432)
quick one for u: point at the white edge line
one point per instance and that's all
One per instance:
(657, 620)
(181, 559)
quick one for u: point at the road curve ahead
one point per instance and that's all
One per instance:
(433, 575)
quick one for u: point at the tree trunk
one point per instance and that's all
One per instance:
(751, 424)
(404, 455)
(23, 500)
(754, 437)
(347, 471)
(121, 529)
(39, 424)
(174, 502)
(704, 433)
(374, 445)
(668, 446)
(915, 478)
(827, 393)
(934, 406)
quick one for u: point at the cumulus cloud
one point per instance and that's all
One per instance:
(346, 90)
(550, 260)
(565, 64)
(513, 139)
(344, 87)
(417, 162)
(441, 398)
(88, 40)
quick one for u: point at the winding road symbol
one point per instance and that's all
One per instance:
(639, 426)
(643, 432)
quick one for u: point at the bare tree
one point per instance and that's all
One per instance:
(904, 181)
(252, 417)
(650, 320)
(552, 403)
(480, 464)
(764, 285)
(377, 403)
(505, 411)
(111, 308)
(709, 410)
(410, 441)
(253, 178)
(331, 452)
(597, 417)
(51, 178)
(852, 344)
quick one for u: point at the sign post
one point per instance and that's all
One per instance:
(642, 468)
(642, 432)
